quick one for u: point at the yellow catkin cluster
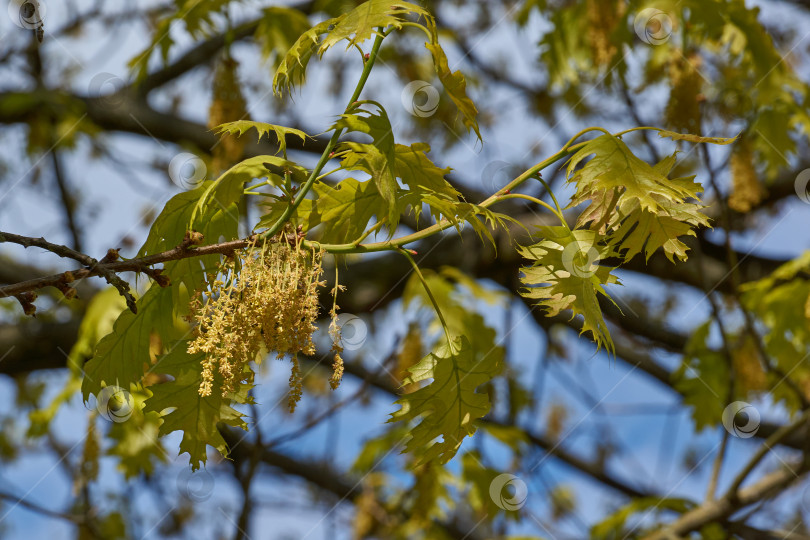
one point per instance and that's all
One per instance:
(683, 109)
(746, 190)
(227, 105)
(748, 370)
(265, 298)
(603, 17)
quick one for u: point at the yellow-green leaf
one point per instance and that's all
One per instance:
(565, 275)
(696, 138)
(183, 409)
(454, 83)
(363, 21)
(239, 127)
(450, 404)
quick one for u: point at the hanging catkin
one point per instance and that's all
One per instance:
(227, 105)
(603, 18)
(746, 190)
(263, 298)
(683, 109)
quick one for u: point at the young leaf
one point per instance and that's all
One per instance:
(416, 170)
(780, 303)
(136, 441)
(226, 190)
(634, 202)
(564, 275)
(346, 209)
(453, 82)
(449, 405)
(377, 159)
(123, 354)
(103, 310)
(614, 166)
(183, 409)
(696, 138)
(702, 379)
(362, 22)
(379, 165)
(303, 216)
(291, 72)
(198, 19)
(278, 30)
(188, 211)
(239, 127)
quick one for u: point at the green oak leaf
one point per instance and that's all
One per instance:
(450, 404)
(377, 159)
(363, 21)
(632, 202)
(702, 379)
(346, 209)
(291, 71)
(454, 83)
(135, 440)
(239, 127)
(565, 275)
(122, 356)
(183, 409)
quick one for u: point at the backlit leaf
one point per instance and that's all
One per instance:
(362, 22)
(454, 83)
(696, 138)
(183, 409)
(633, 202)
(239, 127)
(565, 275)
(450, 404)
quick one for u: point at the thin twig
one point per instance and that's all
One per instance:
(140, 264)
(64, 251)
(18, 501)
(67, 200)
(766, 447)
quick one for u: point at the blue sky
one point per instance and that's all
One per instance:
(637, 412)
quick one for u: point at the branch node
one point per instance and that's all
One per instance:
(68, 291)
(111, 256)
(192, 238)
(157, 275)
(26, 300)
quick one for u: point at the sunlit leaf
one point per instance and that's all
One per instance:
(450, 404)
(239, 127)
(454, 83)
(565, 275)
(183, 409)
